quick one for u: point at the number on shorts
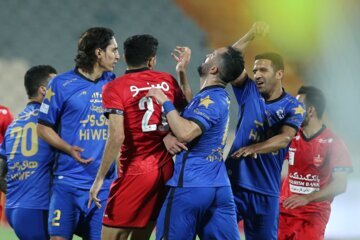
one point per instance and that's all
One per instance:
(55, 221)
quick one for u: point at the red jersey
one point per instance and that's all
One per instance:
(312, 162)
(5, 119)
(145, 123)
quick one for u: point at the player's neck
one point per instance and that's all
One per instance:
(207, 82)
(312, 128)
(95, 74)
(274, 94)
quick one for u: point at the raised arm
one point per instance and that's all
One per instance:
(182, 56)
(257, 29)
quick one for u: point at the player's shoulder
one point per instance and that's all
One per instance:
(63, 80)
(215, 94)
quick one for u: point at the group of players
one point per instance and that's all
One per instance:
(91, 125)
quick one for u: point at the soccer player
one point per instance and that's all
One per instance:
(29, 161)
(319, 163)
(200, 199)
(5, 119)
(267, 121)
(138, 125)
(71, 120)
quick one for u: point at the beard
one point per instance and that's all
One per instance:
(200, 70)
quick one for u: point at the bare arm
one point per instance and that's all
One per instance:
(334, 188)
(183, 129)
(52, 138)
(182, 56)
(257, 29)
(115, 140)
(3, 170)
(271, 145)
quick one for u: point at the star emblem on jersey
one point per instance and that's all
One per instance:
(206, 101)
(49, 93)
(299, 110)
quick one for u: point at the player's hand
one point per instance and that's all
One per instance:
(158, 94)
(259, 29)
(94, 190)
(182, 56)
(173, 145)
(296, 201)
(75, 151)
(248, 151)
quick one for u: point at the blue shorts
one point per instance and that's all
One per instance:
(28, 224)
(69, 214)
(260, 213)
(205, 211)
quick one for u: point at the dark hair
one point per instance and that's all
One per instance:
(93, 38)
(314, 97)
(36, 77)
(231, 65)
(276, 60)
(138, 49)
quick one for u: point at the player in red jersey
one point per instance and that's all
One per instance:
(319, 163)
(138, 125)
(5, 119)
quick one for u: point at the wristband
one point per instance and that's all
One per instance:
(168, 107)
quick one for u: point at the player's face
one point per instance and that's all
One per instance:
(110, 56)
(209, 61)
(266, 78)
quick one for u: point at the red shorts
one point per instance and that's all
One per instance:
(296, 224)
(134, 200)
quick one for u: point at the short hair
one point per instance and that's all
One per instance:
(93, 38)
(275, 58)
(138, 49)
(36, 77)
(314, 97)
(231, 65)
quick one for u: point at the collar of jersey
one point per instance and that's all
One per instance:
(210, 87)
(33, 102)
(76, 70)
(313, 136)
(283, 94)
(137, 70)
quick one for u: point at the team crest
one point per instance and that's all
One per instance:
(318, 160)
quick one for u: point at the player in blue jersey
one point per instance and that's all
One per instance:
(71, 120)
(200, 199)
(268, 119)
(28, 161)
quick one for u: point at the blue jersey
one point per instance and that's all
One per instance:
(29, 161)
(259, 120)
(203, 165)
(73, 107)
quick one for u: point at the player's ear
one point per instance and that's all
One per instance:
(98, 52)
(311, 111)
(214, 70)
(279, 74)
(152, 62)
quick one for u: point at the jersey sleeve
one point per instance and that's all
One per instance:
(241, 91)
(295, 115)
(112, 101)
(340, 159)
(52, 104)
(206, 113)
